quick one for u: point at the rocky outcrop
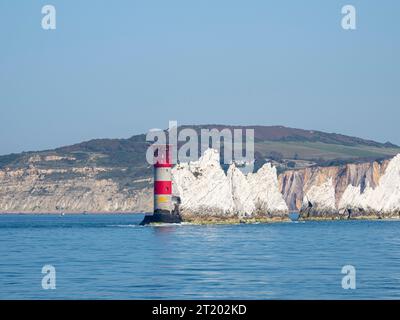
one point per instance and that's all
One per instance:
(350, 191)
(319, 200)
(203, 187)
(205, 190)
(383, 199)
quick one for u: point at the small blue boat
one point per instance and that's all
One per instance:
(294, 216)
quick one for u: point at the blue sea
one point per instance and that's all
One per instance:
(112, 257)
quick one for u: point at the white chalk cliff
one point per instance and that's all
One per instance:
(350, 191)
(360, 189)
(205, 189)
(203, 186)
(383, 199)
(321, 196)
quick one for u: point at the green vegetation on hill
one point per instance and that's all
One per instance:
(318, 150)
(290, 147)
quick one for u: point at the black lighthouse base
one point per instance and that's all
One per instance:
(161, 216)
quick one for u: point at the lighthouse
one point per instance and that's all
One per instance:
(164, 209)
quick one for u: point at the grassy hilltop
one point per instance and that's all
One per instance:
(286, 147)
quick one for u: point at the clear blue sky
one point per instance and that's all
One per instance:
(117, 68)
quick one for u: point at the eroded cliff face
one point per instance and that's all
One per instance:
(383, 199)
(350, 191)
(205, 189)
(67, 190)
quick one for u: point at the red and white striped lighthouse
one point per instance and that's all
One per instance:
(163, 180)
(164, 210)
